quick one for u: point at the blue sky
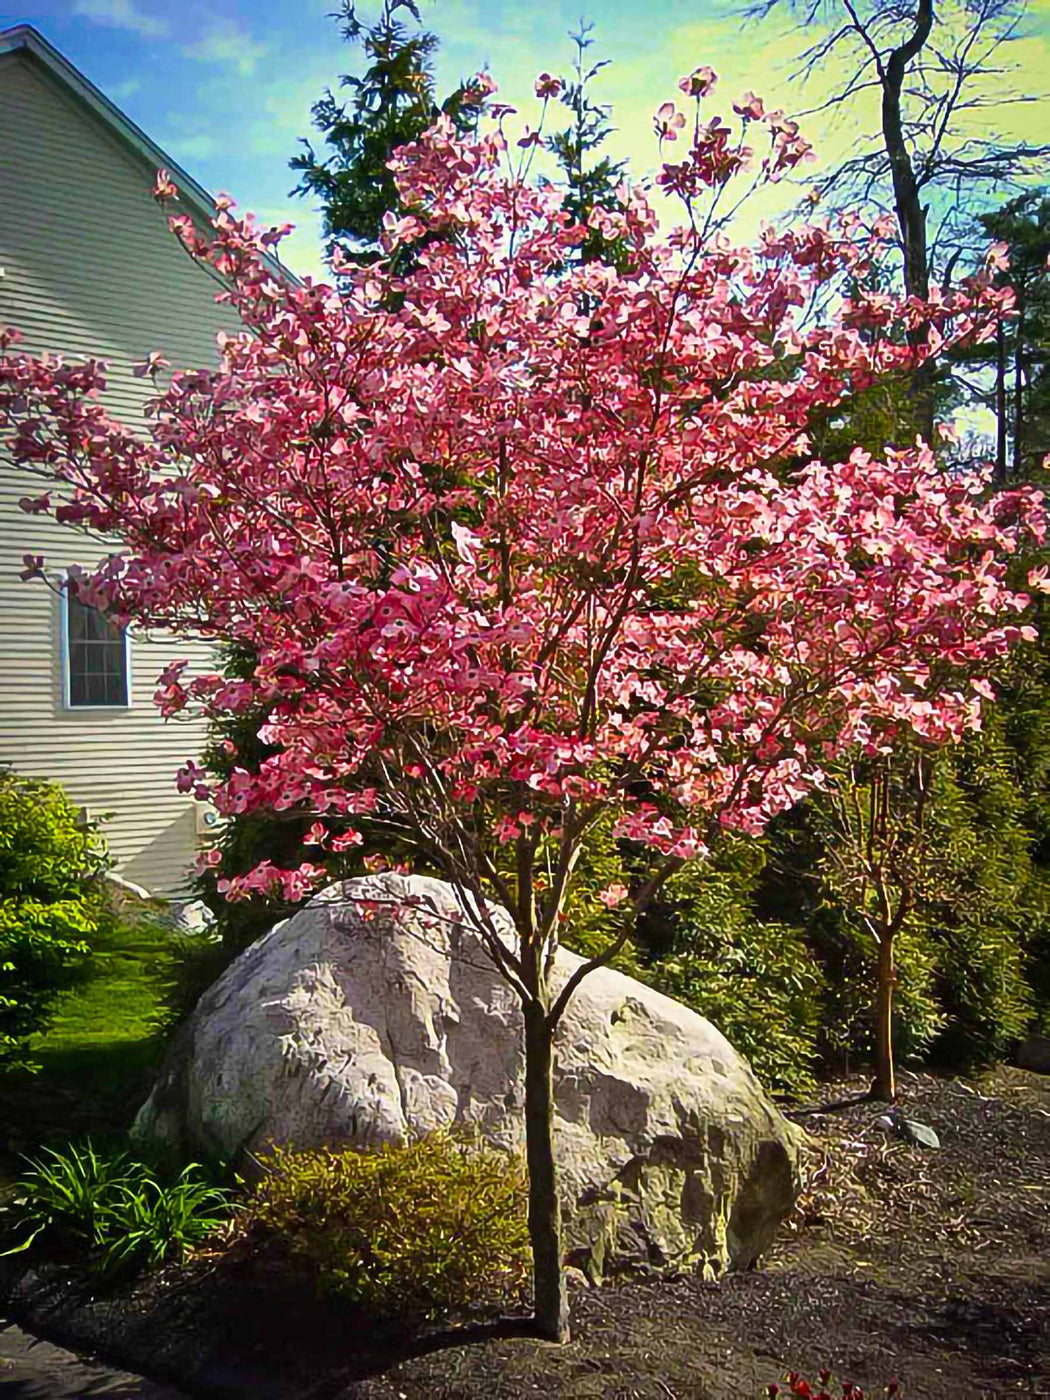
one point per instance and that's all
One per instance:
(226, 87)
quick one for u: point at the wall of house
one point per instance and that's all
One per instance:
(90, 269)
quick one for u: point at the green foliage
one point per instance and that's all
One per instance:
(66, 1195)
(192, 962)
(52, 905)
(242, 842)
(756, 981)
(702, 944)
(991, 907)
(393, 102)
(1024, 724)
(590, 182)
(964, 955)
(846, 1035)
(151, 1222)
(418, 1230)
(111, 1211)
(1019, 391)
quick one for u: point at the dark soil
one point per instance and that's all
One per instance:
(34, 1370)
(928, 1265)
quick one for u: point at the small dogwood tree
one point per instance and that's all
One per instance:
(522, 542)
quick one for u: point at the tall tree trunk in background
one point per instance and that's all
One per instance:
(911, 214)
(1019, 424)
(1000, 404)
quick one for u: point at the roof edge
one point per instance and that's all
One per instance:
(23, 37)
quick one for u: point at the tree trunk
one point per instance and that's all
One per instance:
(907, 198)
(1019, 330)
(911, 215)
(885, 1083)
(1000, 404)
(550, 1301)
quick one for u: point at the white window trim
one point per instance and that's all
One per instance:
(63, 659)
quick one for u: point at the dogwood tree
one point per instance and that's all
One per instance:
(522, 543)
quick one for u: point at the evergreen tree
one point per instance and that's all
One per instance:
(590, 183)
(391, 104)
(1021, 354)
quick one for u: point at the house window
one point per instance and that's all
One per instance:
(96, 657)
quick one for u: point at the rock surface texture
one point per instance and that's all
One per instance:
(361, 1023)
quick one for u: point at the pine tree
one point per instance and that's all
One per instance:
(589, 183)
(1021, 353)
(391, 104)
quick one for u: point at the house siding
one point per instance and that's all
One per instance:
(91, 270)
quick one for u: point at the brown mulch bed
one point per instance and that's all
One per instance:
(928, 1265)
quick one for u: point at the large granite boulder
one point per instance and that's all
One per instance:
(354, 1025)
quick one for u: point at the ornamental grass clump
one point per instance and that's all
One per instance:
(111, 1212)
(434, 1226)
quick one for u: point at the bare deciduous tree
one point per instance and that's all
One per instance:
(944, 76)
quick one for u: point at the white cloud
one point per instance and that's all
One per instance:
(123, 14)
(197, 147)
(120, 92)
(223, 41)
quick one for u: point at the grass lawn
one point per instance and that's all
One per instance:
(97, 1058)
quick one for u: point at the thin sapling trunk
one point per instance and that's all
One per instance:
(885, 1083)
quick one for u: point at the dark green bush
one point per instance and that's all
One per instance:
(192, 963)
(845, 1035)
(968, 959)
(415, 1231)
(756, 981)
(52, 904)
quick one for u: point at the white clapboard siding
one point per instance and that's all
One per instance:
(90, 269)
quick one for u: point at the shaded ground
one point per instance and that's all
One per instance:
(933, 1266)
(34, 1370)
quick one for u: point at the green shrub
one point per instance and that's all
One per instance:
(192, 963)
(987, 1001)
(1037, 974)
(111, 1211)
(51, 905)
(972, 953)
(754, 980)
(847, 1031)
(434, 1226)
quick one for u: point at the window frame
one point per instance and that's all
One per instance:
(66, 669)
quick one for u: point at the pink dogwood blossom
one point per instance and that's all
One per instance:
(698, 83)
(668, 122)
(477, 512)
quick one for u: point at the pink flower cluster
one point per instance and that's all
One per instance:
(517, 539)
(717, 155)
